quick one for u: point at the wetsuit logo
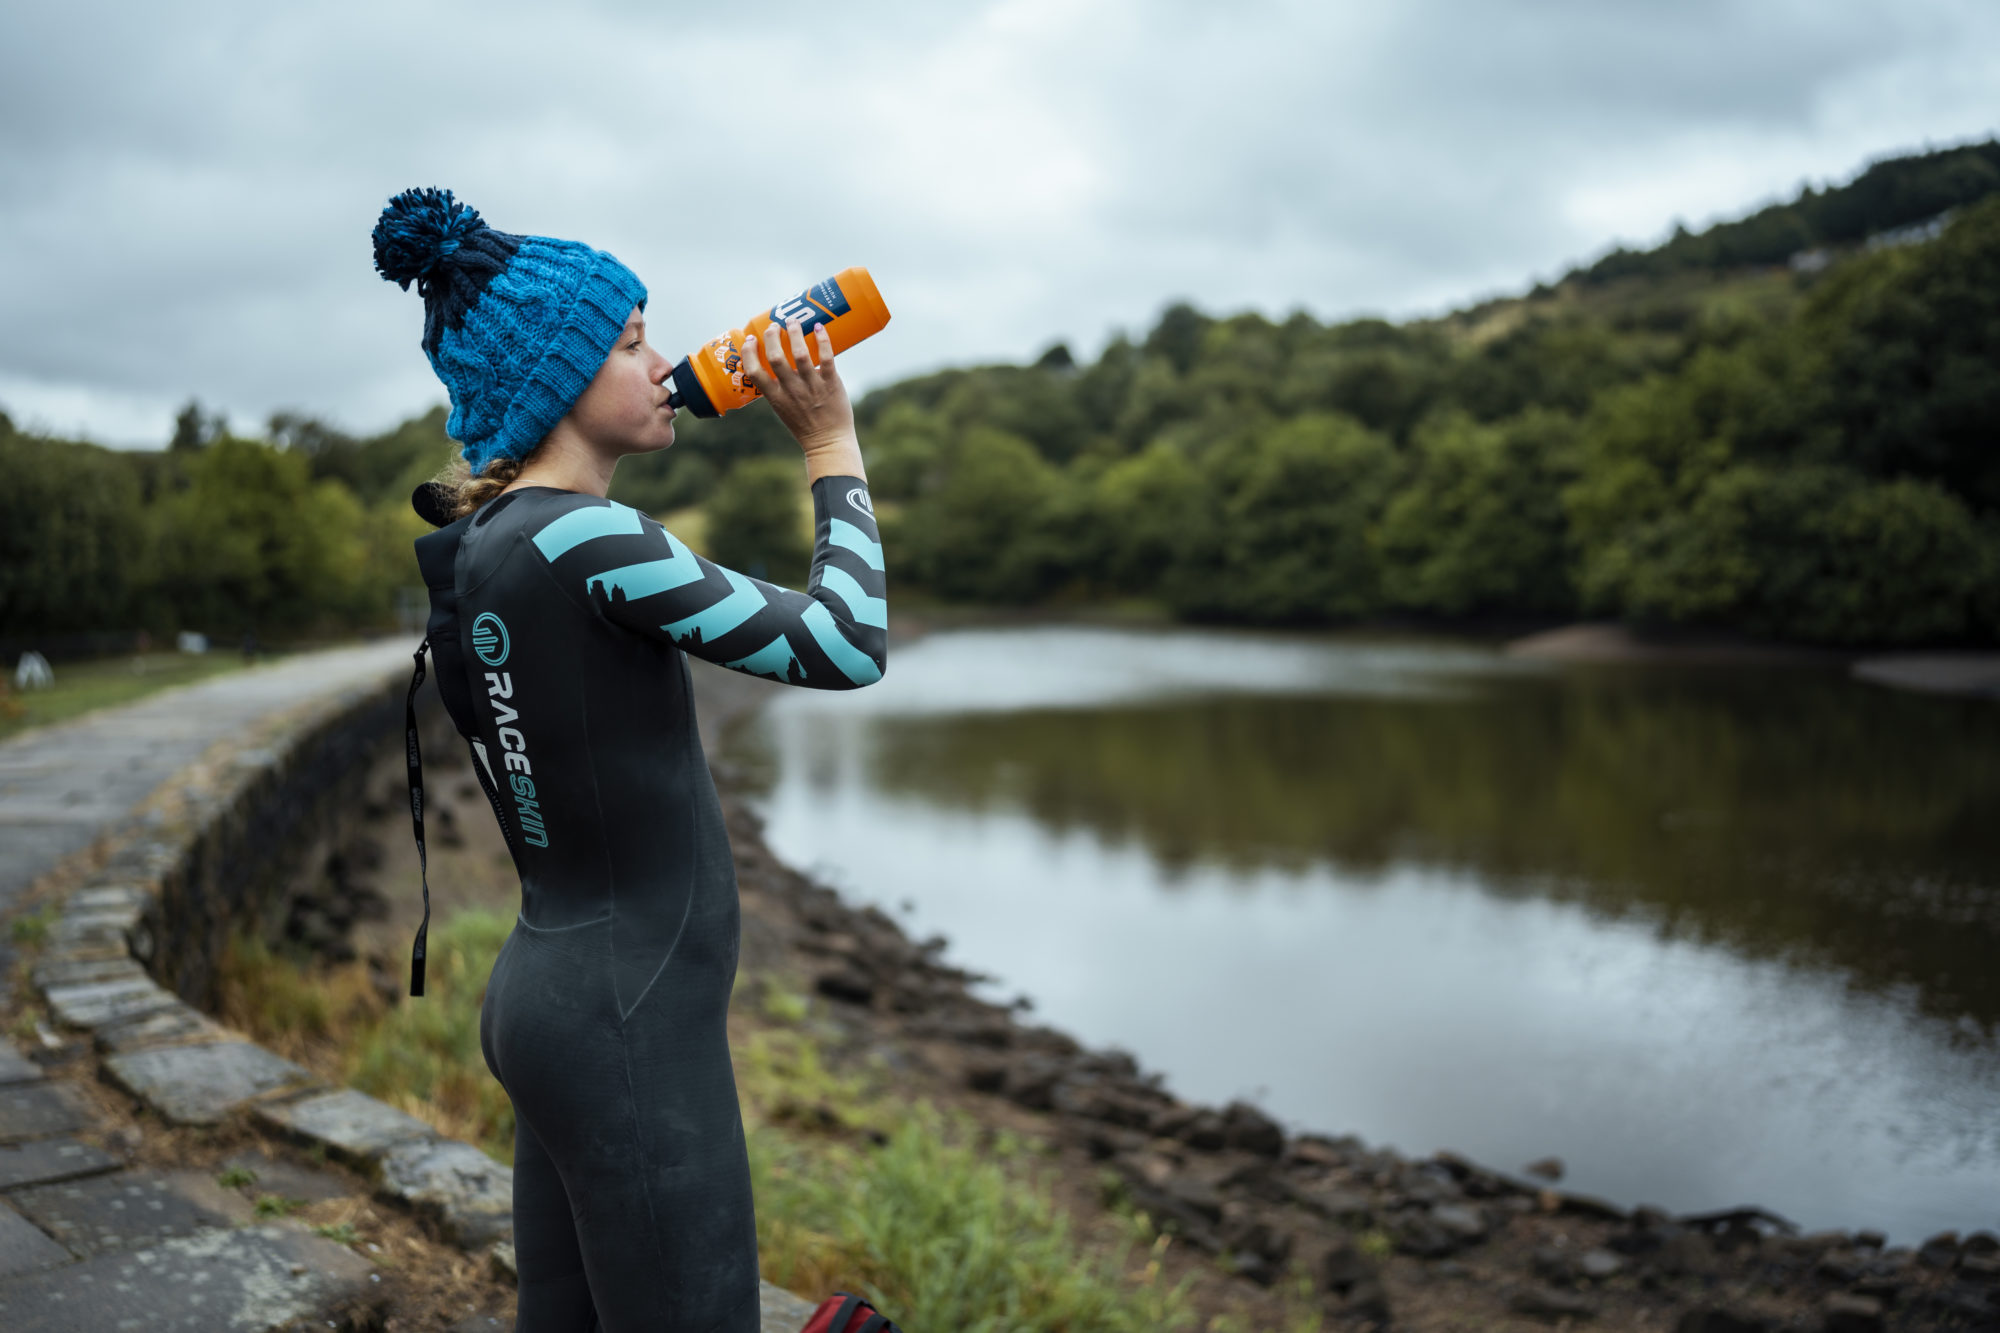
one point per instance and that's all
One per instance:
(859, 499)
(489, 638)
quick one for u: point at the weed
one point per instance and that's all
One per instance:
(783, 1004)
(236, 1178)
(31, 930)
(274, 1205)
(340, 1233)
(1375, 1243)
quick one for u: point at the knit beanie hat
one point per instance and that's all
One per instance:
(515, 326)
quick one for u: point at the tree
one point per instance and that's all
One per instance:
(756, 523)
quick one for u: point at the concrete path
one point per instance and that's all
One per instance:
(88, 1242)
(63, 785)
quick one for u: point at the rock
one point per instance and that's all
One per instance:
(242, 1281)
(1939, 1251)
(1599, 1264)
(1417, 1234)
(1845, 1313)
(1554, 1263)
(44, 1160)
(24, 1247)
(846, 984)
(778, 1311)
(17, 1068)
(1973, 1306)
(37, 1110)
(1714, 1319)
(986, 1076)
(199, 1085)
(274, 1175)
(129, 1210)
(1094, 1101)
(1253, 1248)
(83, 971)
(353, 1127)
(1839, 1266)
(1196, 1195)
(1548, 1168)
(1249, 1129)
(1983, 1243)
(1316, 1150)
(468, 1194)
(175, 1025)
(95, 1003)
(1106, 1141)
(1032, 1082)
(1548, 1303)
(1369, 1300)
(1684, 1252)
(1343, 1267)
(1207, 1132)
(1331, 1202)
(1467, 1224)
(1476, 1181)
(1979, 1268)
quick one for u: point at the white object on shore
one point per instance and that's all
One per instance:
(190, 642)
(32, 672)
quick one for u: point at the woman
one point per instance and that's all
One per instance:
(559, 620)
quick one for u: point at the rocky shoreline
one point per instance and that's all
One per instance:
(1388, 1241)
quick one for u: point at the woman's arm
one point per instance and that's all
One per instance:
(833, 636)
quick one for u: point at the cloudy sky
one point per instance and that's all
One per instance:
(187, 190)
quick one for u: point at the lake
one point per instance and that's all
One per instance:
(1711, 935)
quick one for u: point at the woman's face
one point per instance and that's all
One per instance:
(624, 409)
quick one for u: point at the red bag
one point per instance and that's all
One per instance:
(845, 1313)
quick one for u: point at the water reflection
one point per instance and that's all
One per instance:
(1715, 936)
(1782, 813)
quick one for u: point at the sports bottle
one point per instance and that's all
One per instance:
(710, 381)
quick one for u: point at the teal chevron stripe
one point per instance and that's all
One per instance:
(856, 665)
(581, 525)
(861, 607)
(646, 578)
(775, 659)
(744, 601)
(857, 541)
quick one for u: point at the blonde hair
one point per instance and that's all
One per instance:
(464, 492)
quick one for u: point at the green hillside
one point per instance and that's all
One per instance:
(1707, 433)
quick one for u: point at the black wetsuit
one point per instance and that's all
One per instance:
(558, 623)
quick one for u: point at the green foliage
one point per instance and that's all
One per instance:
(236, 1177)
(986, 526)
(754, 522)
(1896, 192)
(1479, 526)
(426, 1057)
(1694, 435)
(933, 1228)
(71, 547)
(1293, 542)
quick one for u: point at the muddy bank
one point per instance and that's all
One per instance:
(1467, 1245)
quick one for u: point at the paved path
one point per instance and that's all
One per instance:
(63, 785)
(88, 1242)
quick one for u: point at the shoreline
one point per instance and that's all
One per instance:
(1251, 1197)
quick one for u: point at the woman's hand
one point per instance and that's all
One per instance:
(808, 398)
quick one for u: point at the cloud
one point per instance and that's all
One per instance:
(186, 192)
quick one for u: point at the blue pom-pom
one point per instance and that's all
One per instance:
(419, 231)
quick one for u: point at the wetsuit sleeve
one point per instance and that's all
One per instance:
(635, 574)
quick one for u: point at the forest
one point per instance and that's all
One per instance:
(1782, 427)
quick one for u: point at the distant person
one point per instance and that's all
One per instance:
(558, 620)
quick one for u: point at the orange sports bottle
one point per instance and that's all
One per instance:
(710, 382)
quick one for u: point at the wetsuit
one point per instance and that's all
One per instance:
(558, 627)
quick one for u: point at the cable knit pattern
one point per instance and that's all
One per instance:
(516, 344)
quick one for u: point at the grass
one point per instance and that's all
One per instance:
(81, 687)
(933, 1219)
